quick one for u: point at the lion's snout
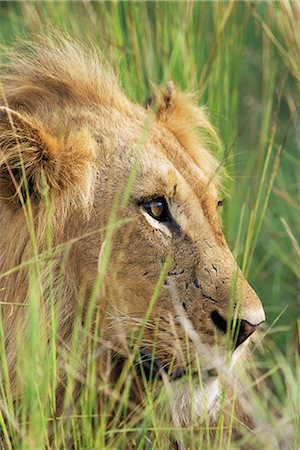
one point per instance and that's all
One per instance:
(239, 329)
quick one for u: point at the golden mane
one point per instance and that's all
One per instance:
(48, 74)
(58, 70)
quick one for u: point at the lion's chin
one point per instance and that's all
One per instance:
(191, 402)
(191, 405)
(189, 398)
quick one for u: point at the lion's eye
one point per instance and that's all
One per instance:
(220, 202)
(158, 209)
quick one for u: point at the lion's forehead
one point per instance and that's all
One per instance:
(163, 162)
(171, 171)
(185, 176)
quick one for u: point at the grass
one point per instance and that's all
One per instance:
(243, 59)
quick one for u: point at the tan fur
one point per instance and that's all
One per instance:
(67, 128)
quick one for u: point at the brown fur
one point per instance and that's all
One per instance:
(67, 129)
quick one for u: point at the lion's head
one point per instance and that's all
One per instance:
(69, 134)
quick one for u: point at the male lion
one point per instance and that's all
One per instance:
(132, 194)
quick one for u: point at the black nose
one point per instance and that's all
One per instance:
(242, 330)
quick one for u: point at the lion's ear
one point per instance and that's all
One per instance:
(27, 156)
(161, 101)
(179, 112)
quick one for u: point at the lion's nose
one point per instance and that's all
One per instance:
(242, 329)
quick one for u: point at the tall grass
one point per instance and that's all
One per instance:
(243, 59)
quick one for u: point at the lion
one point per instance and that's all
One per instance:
(133, 193)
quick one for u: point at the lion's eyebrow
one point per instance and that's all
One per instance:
(171, 182)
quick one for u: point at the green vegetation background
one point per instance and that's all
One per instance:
(243, 59)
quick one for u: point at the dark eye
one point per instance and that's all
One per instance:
(220, 203)
(158, 209)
